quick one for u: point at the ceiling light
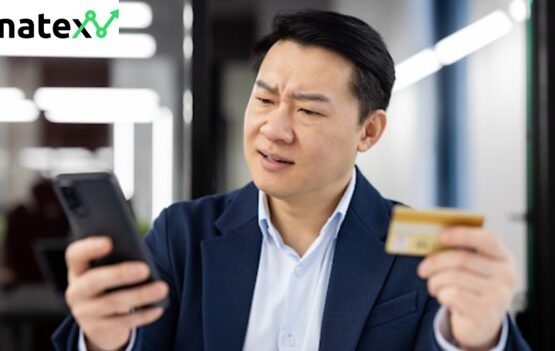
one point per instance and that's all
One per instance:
(473, 37)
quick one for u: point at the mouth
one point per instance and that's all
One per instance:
(275, 158)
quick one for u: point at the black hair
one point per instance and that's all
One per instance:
(374, 72)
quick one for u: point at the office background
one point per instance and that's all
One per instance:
(468, 128)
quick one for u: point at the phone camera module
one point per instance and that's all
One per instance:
(73, 202)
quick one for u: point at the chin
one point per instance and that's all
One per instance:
(272, 187)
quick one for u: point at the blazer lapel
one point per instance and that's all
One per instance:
(360, 267)
(229, 267)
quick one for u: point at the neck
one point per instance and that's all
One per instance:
(299, 220)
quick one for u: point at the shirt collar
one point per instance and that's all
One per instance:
(340, 211)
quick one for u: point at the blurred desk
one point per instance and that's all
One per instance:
(26, 306)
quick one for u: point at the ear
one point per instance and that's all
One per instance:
(372, 130)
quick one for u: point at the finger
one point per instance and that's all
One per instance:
(140, 318)
(457, 299)
(97, 280)
(458, 278)
(80, 253)
(475, 239)
(121, 302)
(129, 320)
(459, 259)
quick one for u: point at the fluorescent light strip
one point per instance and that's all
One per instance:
(519, 10)
(188, 106)
(415, 68)
(188, 47)
(473, 37)
(98, 105)
(101, 116)
(13, 107)
(45, 159)
(124, 156)
(126, 46)
(187, 16)
(61, 160)
(18, 111)
(452, 48)
(77, 98)
(134, 14)
(162, 161)
(7, 94)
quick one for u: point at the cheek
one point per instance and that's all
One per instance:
(249, 136)
(329, 147)
(251, 133)
(315, 147)
(250, 124)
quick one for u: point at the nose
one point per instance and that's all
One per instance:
(278, 126)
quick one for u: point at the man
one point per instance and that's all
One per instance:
(295, 260)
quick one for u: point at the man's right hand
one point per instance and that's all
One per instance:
(106, 318)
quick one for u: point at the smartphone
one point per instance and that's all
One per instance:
(95, 206)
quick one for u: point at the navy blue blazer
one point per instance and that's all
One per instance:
(208, 250)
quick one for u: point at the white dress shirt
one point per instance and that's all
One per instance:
(290, 291)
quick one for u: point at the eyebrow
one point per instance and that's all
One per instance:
(298, 96)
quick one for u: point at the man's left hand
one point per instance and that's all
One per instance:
(475, 280)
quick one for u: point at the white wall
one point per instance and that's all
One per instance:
(497, 116)
(238, 79)
(401, 164)
(158, 74)
(22, 73)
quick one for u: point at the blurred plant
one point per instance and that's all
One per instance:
(142, 226)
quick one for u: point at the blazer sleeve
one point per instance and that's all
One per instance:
(65, 338)
(515, 340)
(426, 340)
(158, 335)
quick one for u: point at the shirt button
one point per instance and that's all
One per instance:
(299, 270)
(289, 340)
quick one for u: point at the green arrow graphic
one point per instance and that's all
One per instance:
(115, 14)
(90, 16)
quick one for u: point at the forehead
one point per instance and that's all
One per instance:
(292, 66)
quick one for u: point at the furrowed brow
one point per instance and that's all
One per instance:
(262, 84)
(311, 97)
(297, 96)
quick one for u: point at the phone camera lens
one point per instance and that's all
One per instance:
(73, 202)
(71, 198)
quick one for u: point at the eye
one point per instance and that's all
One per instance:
(310, 112)
(264, 101)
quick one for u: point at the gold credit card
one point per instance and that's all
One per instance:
(416, 233)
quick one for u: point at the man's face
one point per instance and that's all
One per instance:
(301, 131)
